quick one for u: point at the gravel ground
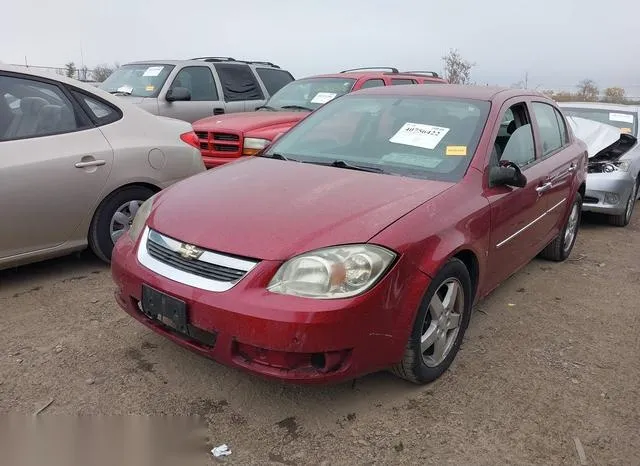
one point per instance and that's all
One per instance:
(549, 357)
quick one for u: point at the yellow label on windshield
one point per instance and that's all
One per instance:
(625, 130)
(150, 88)
(456, 150)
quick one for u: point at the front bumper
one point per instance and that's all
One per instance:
(607, 193)
(282, 337)
(213, 162)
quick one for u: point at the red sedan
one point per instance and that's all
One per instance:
(335, 254)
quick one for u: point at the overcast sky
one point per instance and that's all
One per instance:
(558, 42)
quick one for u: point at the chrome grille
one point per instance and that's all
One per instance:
(196, 267)
(206, 269)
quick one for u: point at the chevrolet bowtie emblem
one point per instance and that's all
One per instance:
(189, 251)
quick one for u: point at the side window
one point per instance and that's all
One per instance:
(33, 108)
(372, 83)
(199, 81)
(514, 142)
(100, 112)
(398, 81)
(563, 127)
(550, 134)
(274, 79)
(238, 82)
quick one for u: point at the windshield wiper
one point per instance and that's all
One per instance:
(279, 156)
(297, 107)
(267, 107)
(350, 166)
(119, 93)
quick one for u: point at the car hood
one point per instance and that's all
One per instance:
(248, 121)
(271, 209)
(604, 142)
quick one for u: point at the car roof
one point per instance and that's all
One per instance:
(195, 61)
(601, 105)
(487, 93)
(52, 75)
(375, 75)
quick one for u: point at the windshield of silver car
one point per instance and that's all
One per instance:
(138, 80)
(626, 121)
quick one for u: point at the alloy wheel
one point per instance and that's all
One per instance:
(442, 322)
(122, 219)
(572, 227)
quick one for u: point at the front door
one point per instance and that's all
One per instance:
(204, 102)
(518, 215)
(53, 166)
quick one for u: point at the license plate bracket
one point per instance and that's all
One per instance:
(167, 309)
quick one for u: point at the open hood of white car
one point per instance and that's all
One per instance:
(597, 136)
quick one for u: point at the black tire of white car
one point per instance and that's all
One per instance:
(623, 219)
(558, 250)
(413, 366)
(99, 232)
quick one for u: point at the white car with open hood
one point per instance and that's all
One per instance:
(611, 134)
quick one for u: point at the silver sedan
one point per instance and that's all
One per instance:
(611, 133)
(76, 163)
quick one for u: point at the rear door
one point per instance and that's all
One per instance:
(205, 98)
(240, 87)
(558, 157)
(54, 164)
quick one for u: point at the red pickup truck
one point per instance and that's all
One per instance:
(224, 138)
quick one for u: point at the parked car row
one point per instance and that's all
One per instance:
(359, 221)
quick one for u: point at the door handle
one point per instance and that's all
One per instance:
(92, 163)
(572, 168)
(218, 111)
(544, 187)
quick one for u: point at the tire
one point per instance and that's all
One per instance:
(560, 248)
(420, 366)
(623, 219)
(100, 238)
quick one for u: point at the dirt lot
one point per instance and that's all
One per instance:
(550, 356)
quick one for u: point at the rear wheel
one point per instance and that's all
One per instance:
(439, 326)
(623, 219)
(113, 219)
(560, 248)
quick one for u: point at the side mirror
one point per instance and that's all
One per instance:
(508, 174)
(178, 93)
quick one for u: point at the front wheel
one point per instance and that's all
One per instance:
(623, 219)
(439, 326)
(114, 217)
(560, 248)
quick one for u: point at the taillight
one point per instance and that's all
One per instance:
(191, 138)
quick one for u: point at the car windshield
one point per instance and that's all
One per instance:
(309, 94)
(626, 121)
(140, 80)
(418, 136)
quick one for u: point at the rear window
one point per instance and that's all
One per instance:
(238, 82)
(273, 79)
(422, 137)
(626, 121)
(139, 80)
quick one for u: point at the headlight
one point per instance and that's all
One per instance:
(623, 166)
(140, 220)
(252, 146)
(332, 273)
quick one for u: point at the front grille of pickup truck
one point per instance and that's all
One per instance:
(216, 143)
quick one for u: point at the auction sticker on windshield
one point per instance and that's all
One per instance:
(456, 150)
(126, 89)
(153, 71)
(323, 97)
(621, 117)
(419, 135)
